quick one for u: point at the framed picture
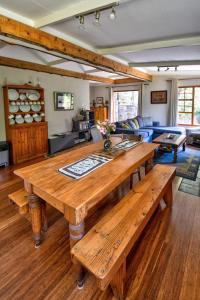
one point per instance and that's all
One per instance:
(158, 97)
(63, 101)
(99, 100)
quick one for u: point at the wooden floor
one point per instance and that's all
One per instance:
(165, 263)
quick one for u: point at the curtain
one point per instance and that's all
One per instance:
(173, 103)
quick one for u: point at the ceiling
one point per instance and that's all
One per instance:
(144, 31)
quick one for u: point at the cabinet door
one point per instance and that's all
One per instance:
(20, 144)
(39, 139)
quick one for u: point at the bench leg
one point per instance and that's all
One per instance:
(76, 234)
(117, 284)
(44, 216)
(148, 165)
(36, 218)
(168, 197)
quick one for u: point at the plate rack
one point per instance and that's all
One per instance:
(26, 127)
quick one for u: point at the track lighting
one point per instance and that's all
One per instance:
(112, 15)
(82, 22)
(97, 17)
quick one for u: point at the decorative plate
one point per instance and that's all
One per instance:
(13, 108)
(25, 108)
(12, 121)
(13, 94)
(36, 107)
(22, 96)
(33, 95)
(19, 119)
(38, 119)
(28, 119)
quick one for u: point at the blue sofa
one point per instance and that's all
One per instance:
(148, 129)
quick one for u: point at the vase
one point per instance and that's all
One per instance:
(107, 144)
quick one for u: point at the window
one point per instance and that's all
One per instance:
(189, 106)
(126, 104)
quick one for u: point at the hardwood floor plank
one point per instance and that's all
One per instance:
(164, 264)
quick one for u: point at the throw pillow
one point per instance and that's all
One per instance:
(147, 121)
(126, 125)
(136, 123)
(132, 124)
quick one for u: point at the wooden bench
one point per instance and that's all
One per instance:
(104, 249)
(20, 198)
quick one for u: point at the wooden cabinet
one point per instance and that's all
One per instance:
(100, 113)
(27, 140)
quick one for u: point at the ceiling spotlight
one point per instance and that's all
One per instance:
(113, 14)
(97, 17)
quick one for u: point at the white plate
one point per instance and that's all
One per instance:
(38, 119)
(25, 108)
(22, 96)
(13, 108)
(28, 119)
(19, 120)
(13, 94)
(33, 95)
(11, 121)
(36, 107)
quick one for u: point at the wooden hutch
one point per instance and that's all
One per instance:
(100, 113)
(26, 128)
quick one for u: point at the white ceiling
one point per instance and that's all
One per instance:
(138, 22)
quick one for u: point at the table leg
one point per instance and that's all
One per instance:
(44, 216)
(36, 217)
(175, 154)
(184, 146)
(148, 165)
(76, 234)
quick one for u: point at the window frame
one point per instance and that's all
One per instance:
(192, 99)
(128, 90)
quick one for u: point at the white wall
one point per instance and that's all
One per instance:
(159, 112)
(99, 91)
(58, 121)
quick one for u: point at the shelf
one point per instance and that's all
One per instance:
(27, 124)
(26, 113)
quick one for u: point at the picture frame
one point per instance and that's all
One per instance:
(159, 97)
(99, 100)
(63, 101)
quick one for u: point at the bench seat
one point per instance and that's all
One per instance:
(20, 198)
(104, 249)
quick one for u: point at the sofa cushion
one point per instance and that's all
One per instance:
(149, 131)
(147, 121)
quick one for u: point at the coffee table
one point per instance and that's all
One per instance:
(177, 141)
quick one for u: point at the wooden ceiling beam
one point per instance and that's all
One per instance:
(126, 80)
(21, 64)
(20, 31)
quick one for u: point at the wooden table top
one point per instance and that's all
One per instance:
(73, 196)
(176, 141)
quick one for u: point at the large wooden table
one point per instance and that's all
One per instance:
(75, 198)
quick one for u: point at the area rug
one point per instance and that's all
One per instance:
(190, 186)
(187, 164)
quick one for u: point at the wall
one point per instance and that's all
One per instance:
(99, 91)
(58, 121)
(159, 112)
